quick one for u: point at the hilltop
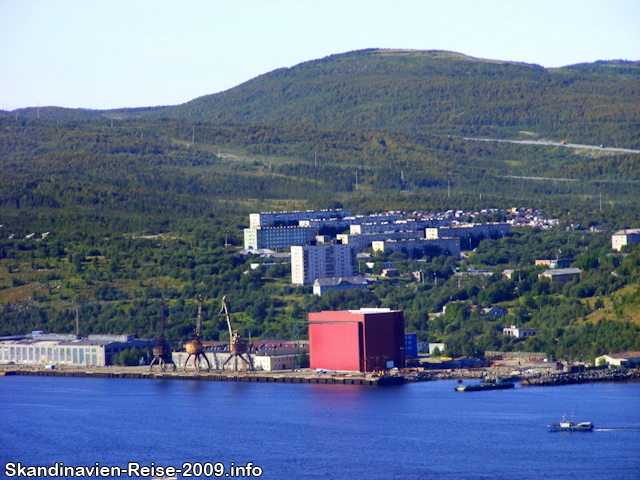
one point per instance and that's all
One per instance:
(431, 91)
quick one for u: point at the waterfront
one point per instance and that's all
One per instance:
(419, 430)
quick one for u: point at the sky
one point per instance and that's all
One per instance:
(103, 54)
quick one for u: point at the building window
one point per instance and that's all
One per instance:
(30, 354)
(81, 355)
(95, 358)
(55, 355)
(75, 355)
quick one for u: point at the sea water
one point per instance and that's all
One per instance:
(421, 430)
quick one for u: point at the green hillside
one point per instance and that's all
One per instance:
(134, 211)
(426, 92)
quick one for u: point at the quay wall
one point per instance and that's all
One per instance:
(204, 376)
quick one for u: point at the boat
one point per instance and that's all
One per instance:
(568, 426)
(476, 387)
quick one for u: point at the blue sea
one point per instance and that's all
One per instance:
(415, 431)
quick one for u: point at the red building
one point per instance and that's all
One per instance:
(365, 340)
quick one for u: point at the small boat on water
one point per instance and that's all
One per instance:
(476, 387)
(568, 426)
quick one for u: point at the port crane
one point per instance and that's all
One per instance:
(194, 346)
(162, 352)
(237, 346)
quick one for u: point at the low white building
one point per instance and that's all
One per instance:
(622, 359)
(440, 346)
(269, 363)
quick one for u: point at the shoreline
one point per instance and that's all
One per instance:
(531, 378)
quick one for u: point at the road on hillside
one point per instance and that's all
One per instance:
(555, 144)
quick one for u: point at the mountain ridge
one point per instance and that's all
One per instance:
(427, 91)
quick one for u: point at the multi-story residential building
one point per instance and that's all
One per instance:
(322, 261)
(470, 230)
(625, 237)
(451, 245)
(348, 222)
(360, 242)
(282, 237)
(268, 219)
(409, 225)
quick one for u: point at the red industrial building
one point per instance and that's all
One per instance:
(365, 340)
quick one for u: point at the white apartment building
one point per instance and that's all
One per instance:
(267, 219)
(450, 244)
(277, 237)
(473, 230)
(322, 261)
(360, 242)
(410, 225)
(625, 237)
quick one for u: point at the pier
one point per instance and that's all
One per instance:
(259, 377)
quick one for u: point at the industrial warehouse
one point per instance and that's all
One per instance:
(40, 348)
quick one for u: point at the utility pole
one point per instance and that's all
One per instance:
(600, 200)
(193, 134)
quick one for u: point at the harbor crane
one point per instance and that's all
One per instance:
(237, 346)
(162, 352)
(194, 346)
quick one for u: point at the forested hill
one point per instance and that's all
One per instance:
(430, 92)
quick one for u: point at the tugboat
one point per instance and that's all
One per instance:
(569, 426)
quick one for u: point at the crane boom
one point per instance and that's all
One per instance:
(225, 310)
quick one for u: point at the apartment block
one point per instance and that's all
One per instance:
(450, 244)
(625, 237)
(322, 261)
(360, 242)
(473, 230)
(277, 237)
(268, 219)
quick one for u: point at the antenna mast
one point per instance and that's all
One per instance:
(199, 315)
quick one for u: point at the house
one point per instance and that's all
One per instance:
(555, 263)
(494, 312)
(621, 359)
(519, 332)
(390, 272)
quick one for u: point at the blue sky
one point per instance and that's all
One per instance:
(112, 54)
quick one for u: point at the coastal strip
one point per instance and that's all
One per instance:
(533, 378)
(289, 377)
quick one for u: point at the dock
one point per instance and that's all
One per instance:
(217, 376)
